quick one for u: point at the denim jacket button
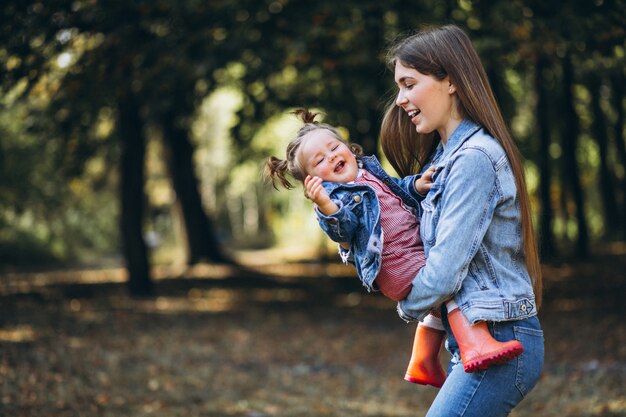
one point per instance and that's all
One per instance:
(356, 198)
(523, 307)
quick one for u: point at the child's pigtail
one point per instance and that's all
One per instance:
(356, 149)
(305, 115)
(276, 168)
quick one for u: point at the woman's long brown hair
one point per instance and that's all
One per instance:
(441, 52)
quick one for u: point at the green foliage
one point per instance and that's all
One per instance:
(66, 65)
(45, 215)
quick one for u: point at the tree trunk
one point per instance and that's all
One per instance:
(617, 99)
(132, 197)
(201, 237)
(546, 244)
(612, 223)
(571, 132)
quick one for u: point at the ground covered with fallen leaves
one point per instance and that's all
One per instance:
(302, 340)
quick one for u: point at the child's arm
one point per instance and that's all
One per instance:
(336, 221)
(316, 192)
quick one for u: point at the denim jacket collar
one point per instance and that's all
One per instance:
(464, 131)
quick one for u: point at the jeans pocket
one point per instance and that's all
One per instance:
(530, 362)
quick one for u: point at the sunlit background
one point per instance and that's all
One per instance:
(223, 77)
(147, 267)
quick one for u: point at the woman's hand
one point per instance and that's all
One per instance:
(425, 182)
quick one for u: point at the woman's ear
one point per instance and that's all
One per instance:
(451, 88)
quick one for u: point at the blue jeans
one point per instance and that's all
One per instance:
(495, 391)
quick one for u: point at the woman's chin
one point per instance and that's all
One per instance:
(423, 130)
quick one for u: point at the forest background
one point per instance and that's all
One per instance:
(133, 134)
(157, 117)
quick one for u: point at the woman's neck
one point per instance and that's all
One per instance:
(446, 131)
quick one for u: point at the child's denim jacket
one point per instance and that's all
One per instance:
(471, 230)
(357, 222)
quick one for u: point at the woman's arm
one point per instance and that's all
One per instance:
(418, 185)
(466, 205)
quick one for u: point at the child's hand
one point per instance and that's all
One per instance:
(425, 182)
(316, 192)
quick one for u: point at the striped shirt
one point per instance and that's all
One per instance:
(403, 252)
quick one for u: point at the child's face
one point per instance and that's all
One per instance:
(325, 156)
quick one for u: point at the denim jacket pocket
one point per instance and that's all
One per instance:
(430, 214)
(474, 273)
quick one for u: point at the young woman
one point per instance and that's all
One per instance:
(476, 223)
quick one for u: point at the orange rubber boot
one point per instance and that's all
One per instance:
(425, 364)
(478, 348)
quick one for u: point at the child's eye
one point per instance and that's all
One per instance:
(335, 148)
(319, 161)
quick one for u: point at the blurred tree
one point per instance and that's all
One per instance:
(617, 101)
(142, 59)
(600, 126)
(200, 234)
(569, 142)
(97, 77)
(561, 43)
(132, 196)
(326, 55)
(42, 202)
(546, 216)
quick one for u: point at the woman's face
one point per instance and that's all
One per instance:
(428, 102)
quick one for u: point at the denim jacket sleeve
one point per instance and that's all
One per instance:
(464, 206)
(408, 185)
(339, 226)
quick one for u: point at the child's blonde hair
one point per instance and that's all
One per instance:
(277, 169)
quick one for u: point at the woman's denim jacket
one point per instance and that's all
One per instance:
(357, 221)
(471, 231)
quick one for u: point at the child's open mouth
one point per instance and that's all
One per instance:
(339, 166)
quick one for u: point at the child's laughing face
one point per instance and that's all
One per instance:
(327, 157)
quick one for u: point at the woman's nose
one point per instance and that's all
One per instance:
(400, 99)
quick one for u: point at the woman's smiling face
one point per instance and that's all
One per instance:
(428, 102)
(323, 155)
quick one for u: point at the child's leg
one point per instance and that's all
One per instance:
(425, 365)
(478, 348)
